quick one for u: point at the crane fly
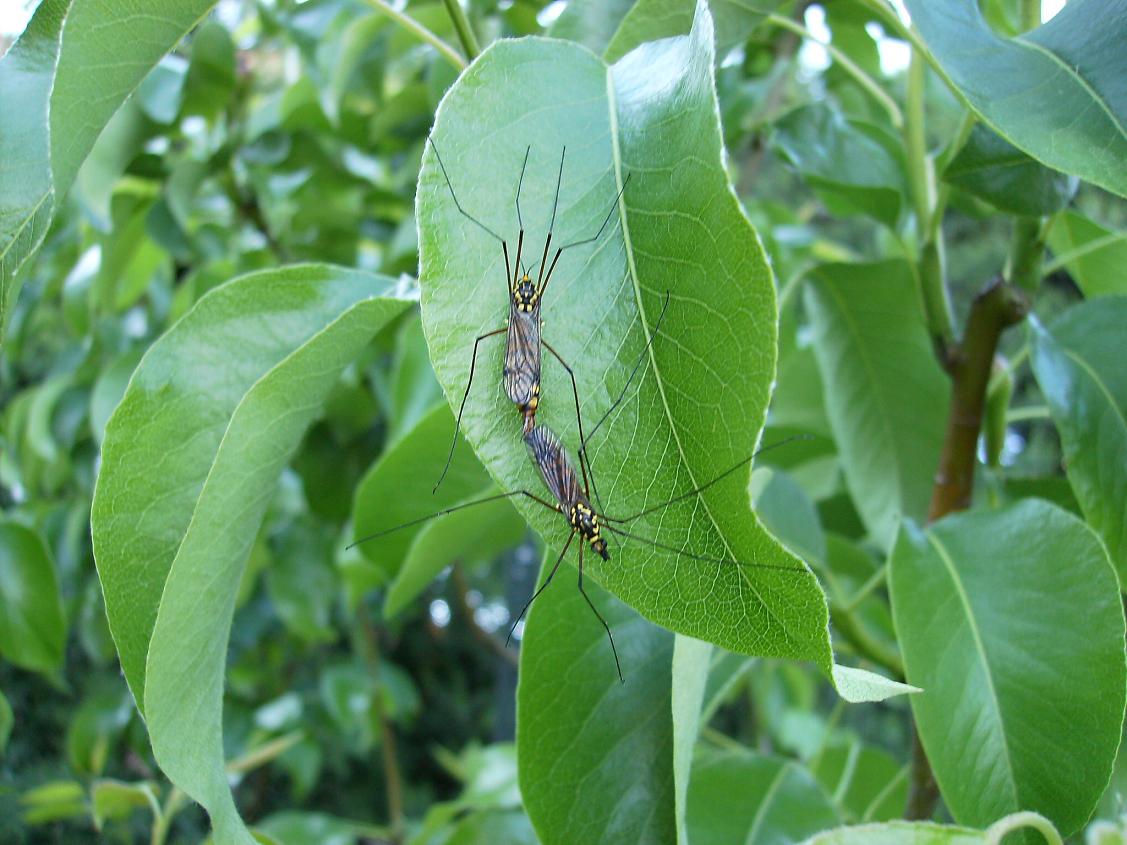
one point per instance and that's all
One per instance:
(521, 371)
(571, 497)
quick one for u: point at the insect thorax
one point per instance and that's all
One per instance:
(524, 294)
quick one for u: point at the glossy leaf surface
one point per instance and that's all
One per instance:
(678, 228)
(1078, 361)
(1011, 621)
(191, 458)
(1056, 92)
(885, 394)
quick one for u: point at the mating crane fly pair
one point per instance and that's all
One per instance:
(572, 499)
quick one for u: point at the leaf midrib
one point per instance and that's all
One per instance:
(964, 600)
(612, 111)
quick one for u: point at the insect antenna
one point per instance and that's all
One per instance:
(551, 225)
(697, 490)
(595, 237)
(520, 182)
(450, 185)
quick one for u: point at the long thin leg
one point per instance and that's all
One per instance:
(599, 616)
(708, 484)
(541, 588)
(578, 416)
(544, 285)
(450, 185)
(520, 182)
(705, 558)
(463, 506)
(462, 407)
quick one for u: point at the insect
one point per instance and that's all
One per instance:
(521, 372)
(572, 499)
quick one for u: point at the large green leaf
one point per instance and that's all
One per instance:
(993, 169)
(698, 405)
(190, 461)
(741, 796)
(1011, 621)
(55, 107)
(864, 782)
(1057, 92)
(1078, 361)
(885, 394)
(595, 757)
(32, 625)
(1093, 256)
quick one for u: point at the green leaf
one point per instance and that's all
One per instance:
(787, 512)
(992, 169)
(55, 107)
(232, 385)
(7, 720)
(900, 833)
(413, 388)
(114, 799)
(741, 796)
(398, 487)
(595, 757)
(885, 394)
(1011, 621)
(864, 782)
(854, 168)
(616, 27)
(54, 800)
(1056, 92)
(33, 629)
(472, 535)
(211, 74)
(1078, 361)
(1094, 256)
(161, 93)
(698, 406)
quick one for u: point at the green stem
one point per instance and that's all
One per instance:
(1027, 412)
(463, 28)
(1027, 251)
(163, 821)
(1030, 14)
(412, 25)
(866, 589)
(933, 288)
(943, 190)
(846, 624)
(871, 86)
(1015, 821)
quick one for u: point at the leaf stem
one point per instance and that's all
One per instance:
(1027, 252)
(412, 25)
(463, 28)
(367, 644)
(868, 646)
(921, 185)
(163, 820)
(871, 86)
(1030, 14)
(996, 833)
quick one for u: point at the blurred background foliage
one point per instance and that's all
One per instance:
(282, 132)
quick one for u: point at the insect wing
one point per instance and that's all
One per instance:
(522, 356)
(555, 468)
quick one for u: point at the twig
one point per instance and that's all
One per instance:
(412, 25)
(463, 28)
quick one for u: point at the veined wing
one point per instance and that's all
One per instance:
(522, 357)
(555, 467)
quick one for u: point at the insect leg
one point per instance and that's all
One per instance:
(462, 506)
(520, 182)
(465, 396)
(450, 185)
(542, 587)
(543, 285)
(599, 616)
(584, 466)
